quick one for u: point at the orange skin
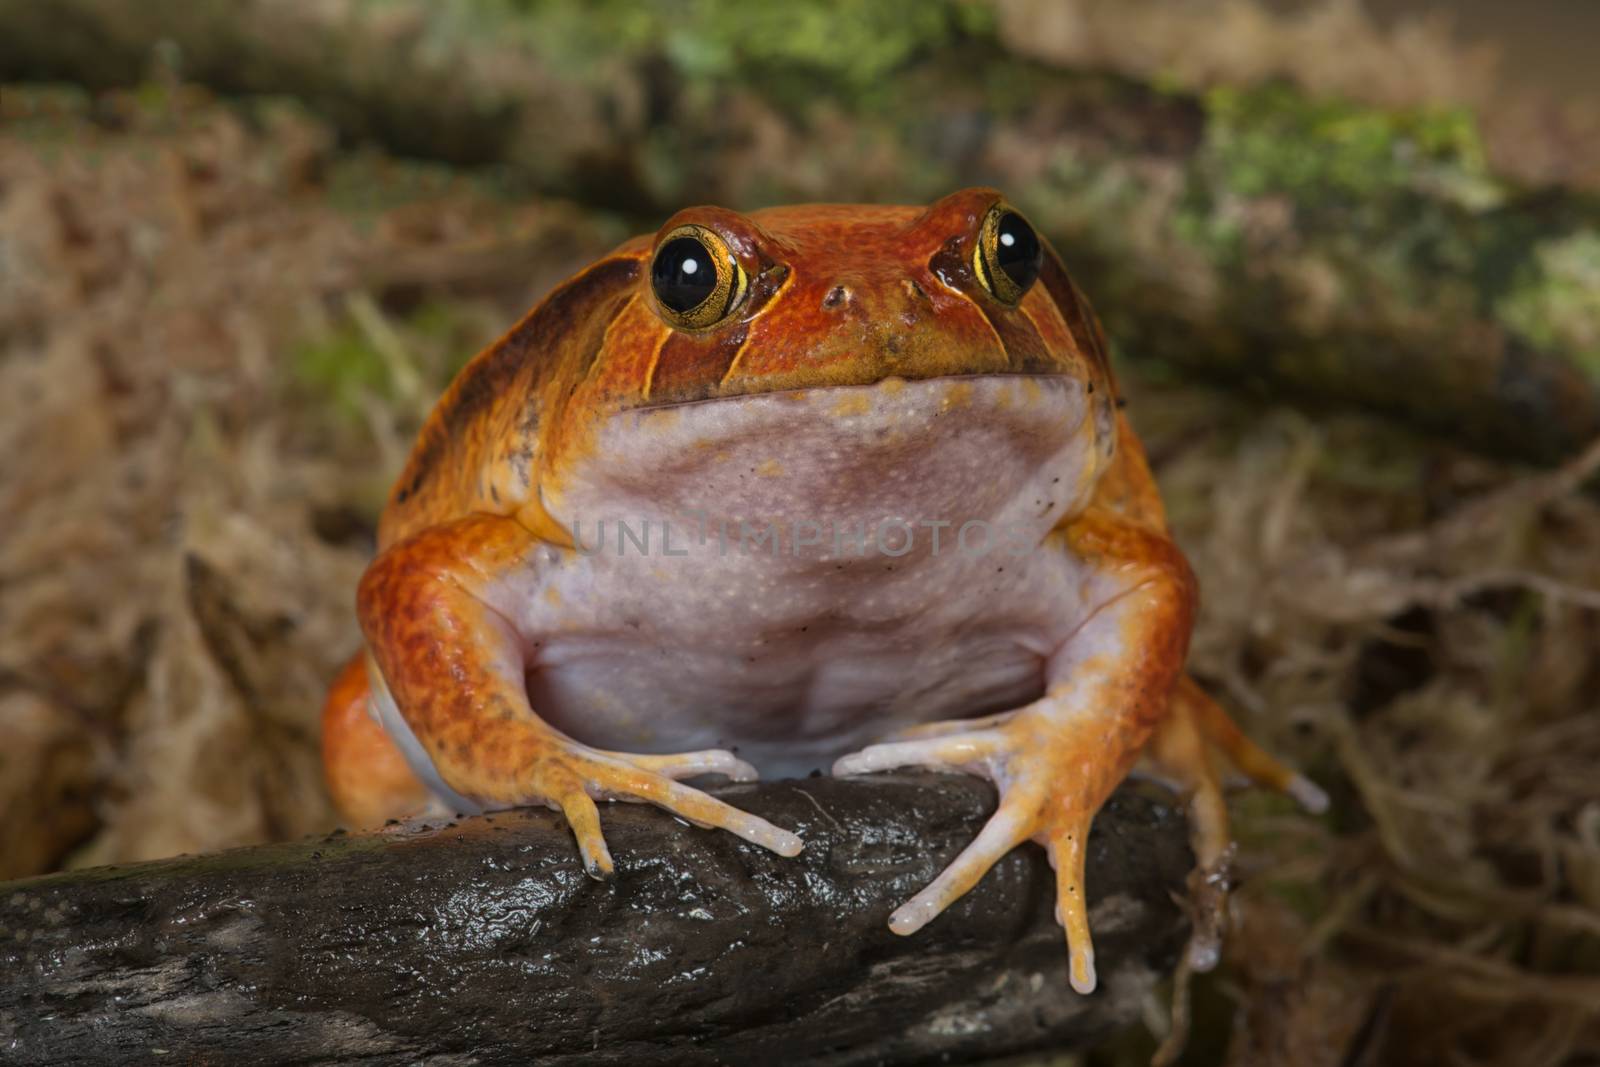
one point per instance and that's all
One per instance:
(838, 296)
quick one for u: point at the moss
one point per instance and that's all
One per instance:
(1216, 234)
(1554, 302)
(855, 45)
(1387, 189)
(1278, 140)
(342, 369)
(399, 360)
(791, 50)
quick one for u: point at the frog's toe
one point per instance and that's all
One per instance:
(1006, 829)
(1065, 842)
(616, 777)
(966, 750)
(584, 818)
(1311, 797)
(704, 810)
(924, 731)
(1223, 738)
(693, 764)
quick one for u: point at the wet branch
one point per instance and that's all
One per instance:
(483, 939)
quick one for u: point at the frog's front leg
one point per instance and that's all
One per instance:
(1108, 692)
(433, 609)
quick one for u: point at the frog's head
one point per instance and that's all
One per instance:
(787, 302)
(719, 303)
(825, 295)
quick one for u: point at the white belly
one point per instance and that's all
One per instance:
(790, 652)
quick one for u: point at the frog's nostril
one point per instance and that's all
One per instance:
(915, 289)
(836, 296)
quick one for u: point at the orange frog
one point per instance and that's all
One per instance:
(822, 485)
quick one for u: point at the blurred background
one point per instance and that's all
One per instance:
(1348, 256)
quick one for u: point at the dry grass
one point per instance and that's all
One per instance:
(212, 354)
(1419, 628)
(191, 471)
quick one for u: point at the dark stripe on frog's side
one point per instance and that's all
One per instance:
(1090, 339)
(1075, 311)
(494, 401)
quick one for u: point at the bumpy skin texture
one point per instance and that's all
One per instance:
(868, 364)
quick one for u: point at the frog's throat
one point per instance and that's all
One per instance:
(923, 447)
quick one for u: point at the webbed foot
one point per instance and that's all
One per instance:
(1053, 771)
(1044, 797)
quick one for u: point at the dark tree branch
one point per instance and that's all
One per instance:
(482, 941)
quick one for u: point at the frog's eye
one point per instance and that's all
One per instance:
(696, 279)
(1008, 255)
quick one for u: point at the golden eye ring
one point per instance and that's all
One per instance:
(695, 278)
(1008, 255)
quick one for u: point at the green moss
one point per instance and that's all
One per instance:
(342, 369)
(399, 360)
(1554, 302)
(789, 50)
(1278, 140)
(1289, 193)
(854, 45)
(1217, 234)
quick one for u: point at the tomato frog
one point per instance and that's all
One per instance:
(815, 486)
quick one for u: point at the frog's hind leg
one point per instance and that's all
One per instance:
(1242, 754)
(367, 776)
(1197, 747)
(1193, 750)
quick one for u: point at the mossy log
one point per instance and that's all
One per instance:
(1311, 249)
(481, 940)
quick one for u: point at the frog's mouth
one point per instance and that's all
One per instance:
(947, 449)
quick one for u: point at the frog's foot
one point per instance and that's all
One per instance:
(1044, 796)
(1196, 746)
(1052, 776)
(576, 776)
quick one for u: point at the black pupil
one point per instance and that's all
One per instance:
(1016, 249)
(683, 274)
